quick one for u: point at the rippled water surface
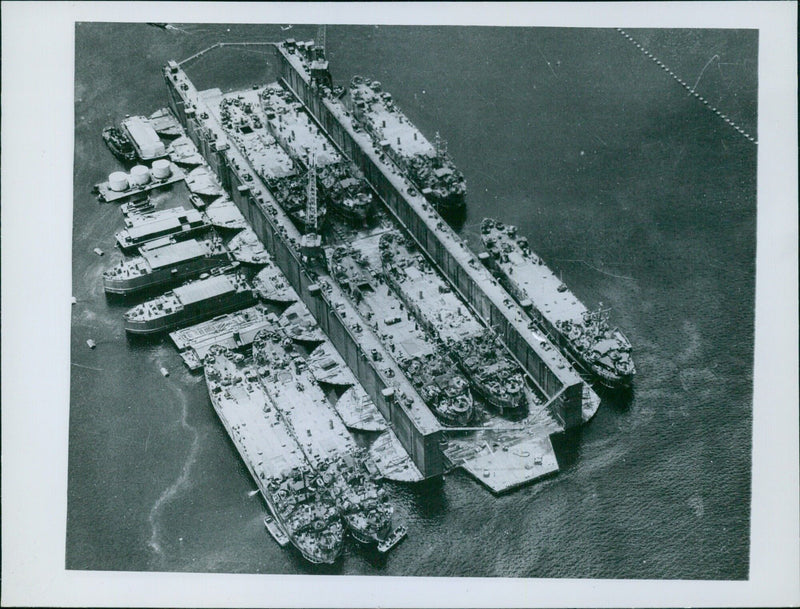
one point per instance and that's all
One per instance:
(642, 197)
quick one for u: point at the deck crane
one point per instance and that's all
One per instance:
(311, 241)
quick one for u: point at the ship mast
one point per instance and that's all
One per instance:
(320, 41)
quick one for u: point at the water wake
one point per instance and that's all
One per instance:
(180, 482)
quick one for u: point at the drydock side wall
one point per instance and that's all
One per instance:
(424, 449)
(567, 407)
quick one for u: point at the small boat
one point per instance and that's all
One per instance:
(119, 144)
(392, 540)
(276, 530)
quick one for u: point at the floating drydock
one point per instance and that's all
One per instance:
(247, 162)
(573, 402)
(414, 426)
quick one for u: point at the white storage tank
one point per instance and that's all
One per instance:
(140, 175)
(118, 181)
(161, 169)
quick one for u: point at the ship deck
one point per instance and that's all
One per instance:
(201, 181)
(223, 213)
(536, 281)
(437, 303)
(296, 130)
(264, 153)
(233, 330)
(389, 317)
(393, 125)
(272, 285)
(314, 422)
(245, 247)
(262, 440)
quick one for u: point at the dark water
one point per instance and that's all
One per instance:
(643, 198)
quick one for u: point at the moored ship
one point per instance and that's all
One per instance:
(177, 222)
(427, 165)
(584, 336)
(437, 380)
(433, 373)
(359, 497)
(164, 265)
(302, 512)
(346, 192)
(340, 464)
(144, 138)
(190, 303)
(491, 373)
(119, 144)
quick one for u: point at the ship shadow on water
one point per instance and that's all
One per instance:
(567, 447)
(456, 218)
(618, 400)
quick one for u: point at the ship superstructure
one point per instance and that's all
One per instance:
(165, 265)
(430, 369)
(493, 375)
(302, 510)
(325, 441)
(427, 165)
(190, 303)
(177, 222)
(584, 336)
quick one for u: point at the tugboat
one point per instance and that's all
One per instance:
(301, 512)
(119, 144)
(582, 335)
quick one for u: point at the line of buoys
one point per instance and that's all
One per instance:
(685, 85)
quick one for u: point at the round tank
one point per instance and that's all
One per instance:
(140, 175)
(118, 181)
(161, 169)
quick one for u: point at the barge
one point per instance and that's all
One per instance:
(190, 304)
(165, 265)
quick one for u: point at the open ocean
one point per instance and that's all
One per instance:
(642, 197)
